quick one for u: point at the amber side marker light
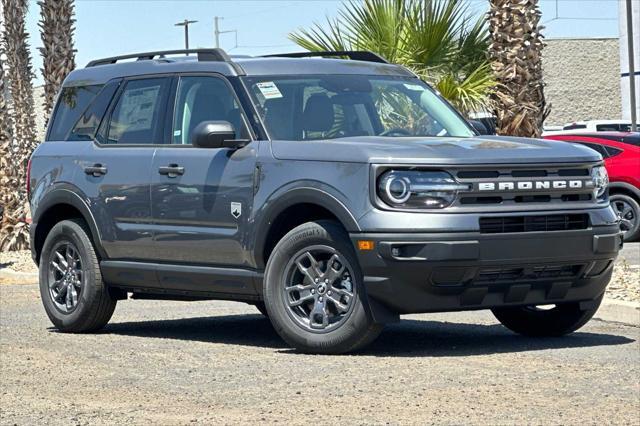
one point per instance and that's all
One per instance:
(365, 245)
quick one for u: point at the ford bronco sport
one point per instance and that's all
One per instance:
(335, 193)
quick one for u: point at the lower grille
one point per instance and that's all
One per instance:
(541, 223)
(538, 272)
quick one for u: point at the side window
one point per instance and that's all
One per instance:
(613, 151)
(608, 127)
(574, 127)
(599, 148)
(72, 102)
(137, 117)
(202, 98)
(87, 125)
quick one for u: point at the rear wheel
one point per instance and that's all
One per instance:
(71, 287)
(628, 210)
(314, 293)
(548, 320)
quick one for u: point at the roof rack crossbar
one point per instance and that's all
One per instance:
(356, 55)
(216, 55)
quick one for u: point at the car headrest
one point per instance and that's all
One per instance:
(318, 115)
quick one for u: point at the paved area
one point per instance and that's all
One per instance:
(220, 363)
(631, 252)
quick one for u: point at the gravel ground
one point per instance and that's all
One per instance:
(220, 363)
(17, 261)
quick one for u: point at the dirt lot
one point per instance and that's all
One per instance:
(220, 363)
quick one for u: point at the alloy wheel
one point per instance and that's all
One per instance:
(66, 277)
(319, 291)
(626, 213)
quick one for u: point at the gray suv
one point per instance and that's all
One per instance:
(333, 191)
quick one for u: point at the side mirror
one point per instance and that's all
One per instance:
(215, 134)
(479, 127)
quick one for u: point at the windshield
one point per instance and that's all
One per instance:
(340, 106)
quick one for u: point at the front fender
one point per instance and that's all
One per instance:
(305, 192)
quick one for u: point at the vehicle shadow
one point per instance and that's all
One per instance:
(409, 338)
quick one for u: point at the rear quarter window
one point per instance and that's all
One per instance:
(72, 103)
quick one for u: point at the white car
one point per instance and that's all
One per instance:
(592, 126)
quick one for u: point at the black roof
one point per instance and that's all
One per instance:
(216, 60)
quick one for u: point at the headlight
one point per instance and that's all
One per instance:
(413, 189)
(600, 179)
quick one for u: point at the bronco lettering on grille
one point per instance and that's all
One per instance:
(534, 185)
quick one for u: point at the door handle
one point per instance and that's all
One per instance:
(172, 170)
(96, 170)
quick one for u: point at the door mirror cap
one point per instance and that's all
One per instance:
(216, 134)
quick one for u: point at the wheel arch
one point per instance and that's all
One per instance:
(61, 204)
(624, 188)
(292, 208)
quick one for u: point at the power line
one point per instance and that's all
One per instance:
(269, 9)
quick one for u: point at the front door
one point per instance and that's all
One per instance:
(202, 198)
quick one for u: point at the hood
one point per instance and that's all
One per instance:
(435, 150)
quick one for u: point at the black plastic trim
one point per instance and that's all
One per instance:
(185, 280)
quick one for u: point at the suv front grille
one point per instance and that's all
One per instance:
(525, 187)
(541, 223)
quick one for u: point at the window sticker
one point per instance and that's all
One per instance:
(269, 90)
(412, 86)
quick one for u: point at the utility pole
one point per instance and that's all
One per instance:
(217, 32)
(632, 71)
(185, 24)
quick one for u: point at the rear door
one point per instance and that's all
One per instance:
(202, 208)
(117, 168)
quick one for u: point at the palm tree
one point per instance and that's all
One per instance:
(6, 168)
(515, 51)
(437, 39)
(14, 233)
(56, 30)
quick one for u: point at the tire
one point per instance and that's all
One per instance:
(558, 321)
(347, 328)
(93, 304)
(628, 210)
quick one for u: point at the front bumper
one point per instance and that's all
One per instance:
(417, 272)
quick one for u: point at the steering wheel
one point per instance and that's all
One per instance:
(396, 131)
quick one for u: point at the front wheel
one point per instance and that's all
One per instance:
(313, 291)
(544, 321)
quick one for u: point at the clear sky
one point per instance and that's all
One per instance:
(112, 27)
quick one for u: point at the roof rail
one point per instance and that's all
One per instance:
(217, 55)
(356, 55)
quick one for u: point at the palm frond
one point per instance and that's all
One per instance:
(435, 38)
(468, 94)
(319, 39)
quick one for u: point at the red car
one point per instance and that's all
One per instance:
(621, 153)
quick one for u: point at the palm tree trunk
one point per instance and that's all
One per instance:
(58, 55)
(14, 232)
(516, 55)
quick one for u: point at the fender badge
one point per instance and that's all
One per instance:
(236, 209)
